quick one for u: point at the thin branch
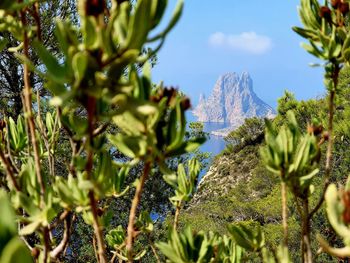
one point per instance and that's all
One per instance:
(115, 255)
(100, 129)
(36, 16)
(306, 244)
(177, 214)
(53, 142)
(284, 213)
(16, 170)
(30, 119)
(153, 248)
(94, 247)
(133, 210)
(65, 239)
(9, 170)
(62, 217)
(43, 132)
(91, 106)
(29, 113)
(328, 168)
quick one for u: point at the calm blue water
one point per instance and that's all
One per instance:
(215, 144)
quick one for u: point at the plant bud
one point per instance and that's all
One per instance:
(2, 125)
(185, 104)
(100, 211)
(326, 136)
(325, 13)
(314, 129)
(171, 94)
(335, 3)
(35, 252)
(94, 7)
(344, 8)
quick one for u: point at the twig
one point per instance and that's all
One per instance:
(36, 16)
(9, 170)
(30, 119)
(16, 170)
(284, 213)
(52, 143)
(23, 238)
(94, 247)
(328, 167)
(153, 248)
(65, 239)
(62, 217)
(298, 206)
(29, 113)
(177, 214)
(132, 216)
(115, 255)
(100, 129)
(73, 144)
(43, 132)
(91, 106)
(306, 245)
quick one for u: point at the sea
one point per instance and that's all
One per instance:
(215, 144)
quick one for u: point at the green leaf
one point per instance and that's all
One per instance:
(15, 251)
(55, 70)
(305, 33)
(30, 228)
(131, 146)
(79, 65)
(139, 25)
(158, 10)
(90, 36)
(174, 19)
(180, 128)
(7, 219)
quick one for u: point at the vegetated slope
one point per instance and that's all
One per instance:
(237, 186)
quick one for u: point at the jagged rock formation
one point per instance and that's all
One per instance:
(232, 101)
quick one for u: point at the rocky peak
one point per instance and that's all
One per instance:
(201, 98)
(232, 100)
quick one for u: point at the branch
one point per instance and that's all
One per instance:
(12, 163)
(30, 119)
(43, 132)
(133, 210)
(28, 105)
(284, 213)
(153, 248)
(66, 234)
(91, 106)
(177, 214)
(9, 170)
(100, 129)
(36, 16)
(306, 244)
(328, 169)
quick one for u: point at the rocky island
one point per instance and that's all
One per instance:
(232, 101)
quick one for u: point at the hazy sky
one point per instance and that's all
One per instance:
(215, 37)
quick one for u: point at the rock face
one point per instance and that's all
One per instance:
(232, 101)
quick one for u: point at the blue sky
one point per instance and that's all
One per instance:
(215, 37)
